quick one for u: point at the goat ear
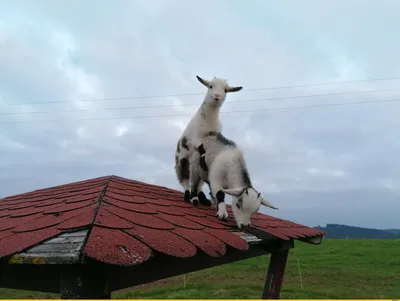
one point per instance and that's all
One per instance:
(203, 81)
(234, 89)
(234, 191)
(267, 204)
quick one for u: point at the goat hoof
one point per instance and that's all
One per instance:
(205, 203)
(203, 199)
(222, 217)
(186, 196)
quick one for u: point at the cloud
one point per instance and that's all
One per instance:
(78, 87)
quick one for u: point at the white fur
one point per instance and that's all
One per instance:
(226, 164)
(205, 120)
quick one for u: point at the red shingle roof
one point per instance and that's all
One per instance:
(129, 220)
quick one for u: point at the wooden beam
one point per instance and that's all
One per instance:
(275, 274)
(164, 266)
(84, 282)
(34, 277)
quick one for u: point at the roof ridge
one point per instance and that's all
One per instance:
(56, 186)
(145, 183)
(96, 211)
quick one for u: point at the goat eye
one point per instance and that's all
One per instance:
(211, 86)
(237, 205)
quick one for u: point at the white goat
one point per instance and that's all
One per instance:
(205, 120)
(222, 166)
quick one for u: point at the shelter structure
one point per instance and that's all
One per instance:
(89, 238)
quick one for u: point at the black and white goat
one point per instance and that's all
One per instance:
(205, 120)
(222, 166)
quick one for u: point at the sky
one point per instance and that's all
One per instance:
(95, 88)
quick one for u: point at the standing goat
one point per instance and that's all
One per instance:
(205, 120)
(222, 166)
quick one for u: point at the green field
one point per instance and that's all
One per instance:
(337, 269)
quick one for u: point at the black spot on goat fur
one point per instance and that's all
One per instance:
(246, 176)
(184, 170)
(186, 196)
(203, 199)
(194, 191)
(201, 149)
(176, 160)
(178, 148)
(220, 196)
(222, 139)
(202, 161)
(239, 202)
(184, 143)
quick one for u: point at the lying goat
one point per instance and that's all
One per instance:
(222, 166)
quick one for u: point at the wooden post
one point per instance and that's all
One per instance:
(83, 282)
(274, 278)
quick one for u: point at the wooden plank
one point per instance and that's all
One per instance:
(75, 234)
(250, 238)
(40, 259)
(72, 240)
(62, 249)
(55, 248)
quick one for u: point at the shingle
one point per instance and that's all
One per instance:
(192, 212)
(49, 220)
(81, 198)
(115, 247)
(70, 207)
(229, 238)
(6, 233)
(230, 222)
(10, 223)
(161, 202)
(20, 241)
(32, 210)
(141, 219)
(141, 208)
(105, 218)
(130, 198)
(204, 241)
(4, 213)
(180, 221)
(206, 222)
(81, 220)
(168, 210)
(163, 241)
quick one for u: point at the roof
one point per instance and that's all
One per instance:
(126, 222)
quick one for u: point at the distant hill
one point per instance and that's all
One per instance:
(345, 231)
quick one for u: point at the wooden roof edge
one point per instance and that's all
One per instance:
(314, 240)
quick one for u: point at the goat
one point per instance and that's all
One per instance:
(222, 166)
(205, 120)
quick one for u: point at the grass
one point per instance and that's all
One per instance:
(337, 269)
